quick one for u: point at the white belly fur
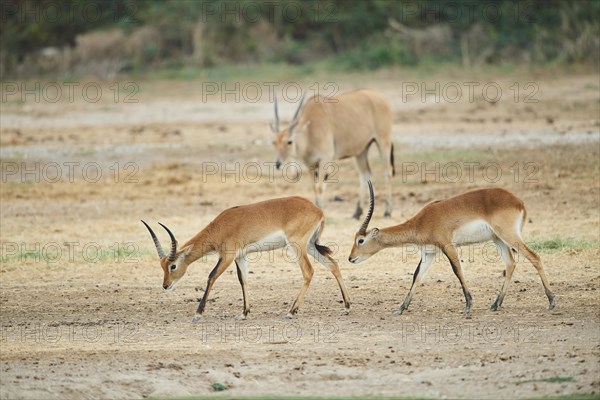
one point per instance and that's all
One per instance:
(275, 240)
(477, 231)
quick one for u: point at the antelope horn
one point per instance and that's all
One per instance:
(171, 256)
(295, 119)
(299, 106)
(159, 248)
(365, 224)
(276, 126)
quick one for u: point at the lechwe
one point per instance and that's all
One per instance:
(442, 226)
(326, 129)
(291, 221)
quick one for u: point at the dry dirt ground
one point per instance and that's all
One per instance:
(83, 314)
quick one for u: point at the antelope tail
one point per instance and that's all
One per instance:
(392, 160)
(323, 250)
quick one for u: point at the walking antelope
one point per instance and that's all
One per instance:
(442, 226)
(327, 129)
(237, 231)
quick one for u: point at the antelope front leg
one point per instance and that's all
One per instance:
(212, 277)
(424, 264)
(452, 256)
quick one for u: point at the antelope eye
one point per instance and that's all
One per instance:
(172, 267)
(290, 142)
(361, 241)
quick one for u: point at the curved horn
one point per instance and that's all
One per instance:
(299, 106)
(159, 248)
(171, 256)
(295, 119)
(365, 224)
(276, 126)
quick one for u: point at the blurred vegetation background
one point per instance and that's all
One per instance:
(64, 39)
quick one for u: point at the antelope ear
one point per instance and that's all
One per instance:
(187, 250)
(374, 232)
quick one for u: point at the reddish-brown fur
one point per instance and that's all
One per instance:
(236, 228)
(436, 224)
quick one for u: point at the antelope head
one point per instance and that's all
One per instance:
(284, 138)
(365, 242)
(174, 264)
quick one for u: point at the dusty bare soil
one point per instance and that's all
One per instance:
(83, 314)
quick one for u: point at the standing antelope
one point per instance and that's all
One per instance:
(257, 227)
(327, 129)
(443, 225)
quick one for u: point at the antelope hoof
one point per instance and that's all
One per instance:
(240, 317)
(399, 312)
(345, 311)
(288, 316)
(466, 311)
(196, 319)
(552, 300)
(495, 306)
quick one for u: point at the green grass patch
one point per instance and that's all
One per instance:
(552, 379)
(573, 396)
(13, 157)
(457, 155)
(60, 254)
(232, 72)
(17, 184)
(85, 152)
(557, 244)
(373, 56)
(347, 66)
(219, 387)
(273, 397)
